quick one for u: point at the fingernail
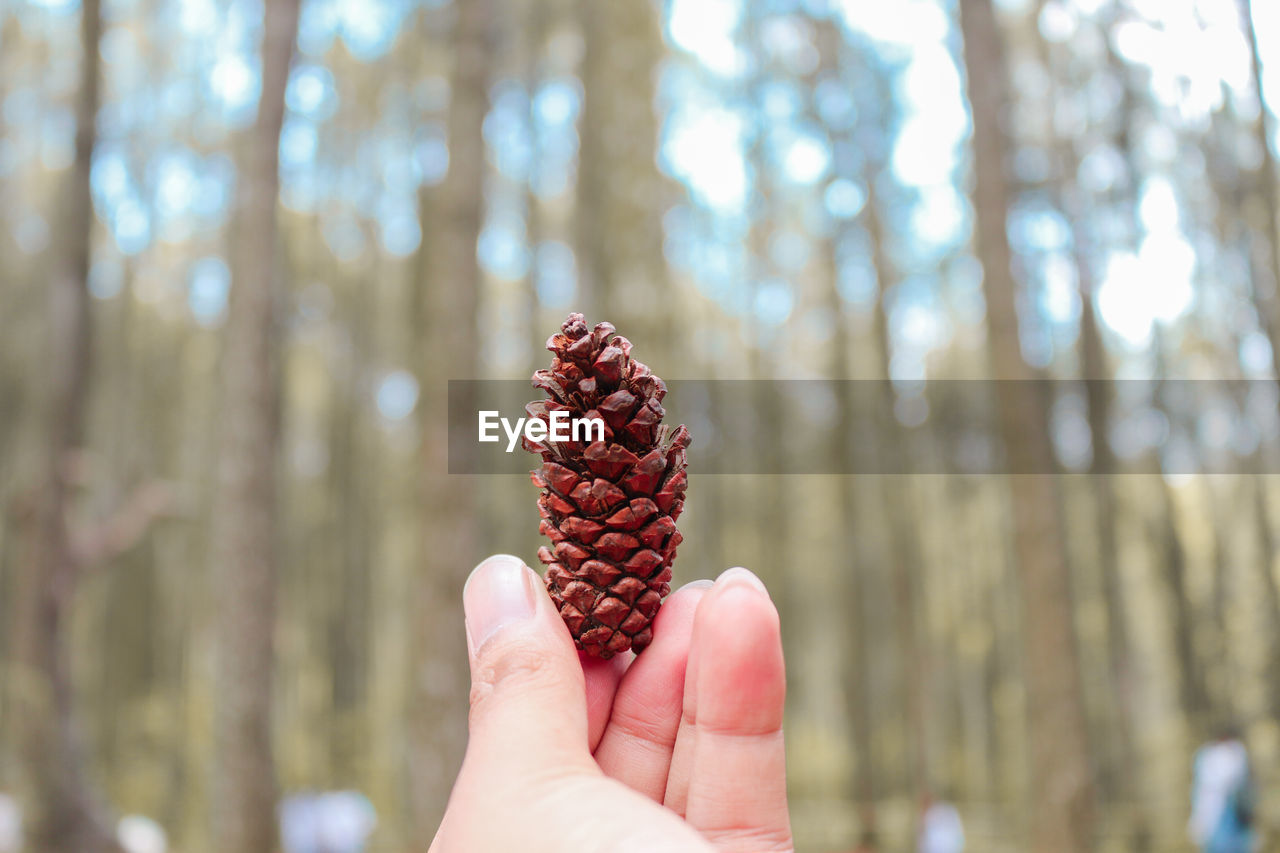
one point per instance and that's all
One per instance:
(740, 575)
(702, 583)
(497, 594)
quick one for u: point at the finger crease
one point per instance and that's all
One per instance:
(633, 726)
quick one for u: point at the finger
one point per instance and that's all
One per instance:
(677, 792)
(737, 794)
(638, 742)
(528, 713)
(676, 795)
(602, 677)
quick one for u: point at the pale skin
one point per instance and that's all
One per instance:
(679, 749)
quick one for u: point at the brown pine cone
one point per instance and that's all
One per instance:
(609, 507)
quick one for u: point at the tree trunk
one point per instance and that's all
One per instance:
(620, 193)
(1120, 776)
(1062, 818)
(857, 554)
(532, 41)
(906, 562)
(1269, 298)
(1269, 590)
(449, 349)
(1222, 671)
(1172, 559)
(67, 815)
(1193, 664)
(243, 553)
(1118, 780)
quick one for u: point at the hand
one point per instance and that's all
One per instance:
(679, 749)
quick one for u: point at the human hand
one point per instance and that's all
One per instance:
(679, 749)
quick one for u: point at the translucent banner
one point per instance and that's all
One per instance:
(932, 427)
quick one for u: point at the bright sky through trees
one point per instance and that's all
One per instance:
(727, 118)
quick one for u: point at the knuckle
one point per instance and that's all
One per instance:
(636, 727)
(512, 668)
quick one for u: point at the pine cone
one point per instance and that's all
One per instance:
(608, 507)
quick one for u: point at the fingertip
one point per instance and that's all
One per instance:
(499, 592)
(739, 608)
(497, 558)
(740, 575)
(739, 628)
(516, 639)
(490, 564)
(673, 631)
(739, 612)
(732, 777)
(681, 604)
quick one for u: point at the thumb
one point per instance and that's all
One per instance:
(528, 697)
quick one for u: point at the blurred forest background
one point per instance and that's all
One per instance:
(231, 558)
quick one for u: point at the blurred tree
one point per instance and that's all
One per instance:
(619, 234)
(906, 560)
(355, 498)
(764, 344)
(1171, 562)
(531, 40)
(1268, 296)
(67, 814)
(243, 554)
(1265, 268)
(852, 591)
(1270, 593)
(449, 348)
(1061, 775)
(841, 65)
(1116, 780)
(1096, 373)
(12, 390)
